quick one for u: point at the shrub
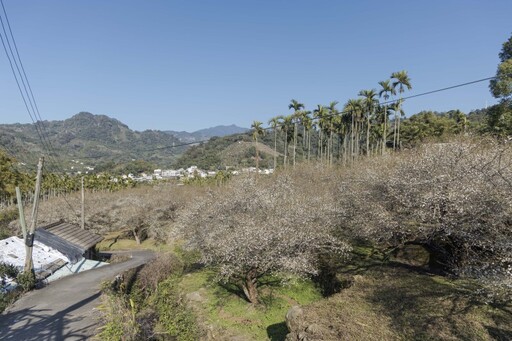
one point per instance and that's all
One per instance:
(158, 270)
(26, 280)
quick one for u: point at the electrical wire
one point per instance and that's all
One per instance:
(28, 94)
(340, 113)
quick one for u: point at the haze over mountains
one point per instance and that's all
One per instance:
(205, 134)
(98, 138)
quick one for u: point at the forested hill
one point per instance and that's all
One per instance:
(94, 139)
(237, 151)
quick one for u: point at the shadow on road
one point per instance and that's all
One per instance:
(40, 325)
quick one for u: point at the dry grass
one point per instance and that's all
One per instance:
(395, 303)
(152, 208)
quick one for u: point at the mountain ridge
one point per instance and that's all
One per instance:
(94, 138)
(207, 133)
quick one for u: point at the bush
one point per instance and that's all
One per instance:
(26, 280)
(158, 270)
(8, 270)
(6, 217)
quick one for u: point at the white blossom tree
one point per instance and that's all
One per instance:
(252, 229)
(454, 198)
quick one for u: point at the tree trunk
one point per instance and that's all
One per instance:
(275, 148)
(249, 286)
(285, 162)
(135, 235)
(294, 142)
(398, 129)
(394, 133)
(257, 157)
(368, 135)
(384, 131)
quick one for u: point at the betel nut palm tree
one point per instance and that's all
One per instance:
(257, 131)
(296, 106)
(320, 114)
(385, 91)
(274, 123)
(369, 104)
(402, 81)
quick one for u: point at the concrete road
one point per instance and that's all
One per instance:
(65, 309)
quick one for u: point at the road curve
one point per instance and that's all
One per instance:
(65, 309)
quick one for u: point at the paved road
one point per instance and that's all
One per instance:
(65, 309)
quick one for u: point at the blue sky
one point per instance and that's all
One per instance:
(187, 65)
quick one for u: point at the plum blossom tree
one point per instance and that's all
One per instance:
(253, 229)
(455, 199)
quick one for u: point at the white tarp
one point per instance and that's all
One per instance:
(12, 251)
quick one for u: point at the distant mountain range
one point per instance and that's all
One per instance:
(96, 140)
(205, 134)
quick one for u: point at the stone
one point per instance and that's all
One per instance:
(195, 297)
(294, 318)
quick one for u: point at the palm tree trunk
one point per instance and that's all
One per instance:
(394, 133)
(294, 142)
(275, 147)
(352, 138)
(368, 135)
(285, 161)
(309, 145)
(257, 156)
(320, 142)
(384, 133)
(398, 126)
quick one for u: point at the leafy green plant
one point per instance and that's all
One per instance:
(26, 280)
(8, 270)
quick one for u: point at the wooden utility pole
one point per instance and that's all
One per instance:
(22, 219)
(29, 240)
(83, 204)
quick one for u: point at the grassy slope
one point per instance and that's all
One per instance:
(227, 314)
(393, 303)
(386, 301)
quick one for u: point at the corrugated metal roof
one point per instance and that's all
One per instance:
(72, 251)
(74, 234)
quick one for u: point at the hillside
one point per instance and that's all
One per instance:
(93, 139)
(229, 151)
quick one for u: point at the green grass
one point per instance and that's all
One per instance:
(232, 315)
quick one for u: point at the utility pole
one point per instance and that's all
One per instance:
(83, 204)
(22, 219)
(29, 240)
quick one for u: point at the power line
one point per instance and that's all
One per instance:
(28, 94)
(345, 111)
(33, 100)
(43, 134)
(440, 90)
(18, 76)
(339, 113)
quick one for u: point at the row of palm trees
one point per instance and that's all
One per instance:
(362, 127)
